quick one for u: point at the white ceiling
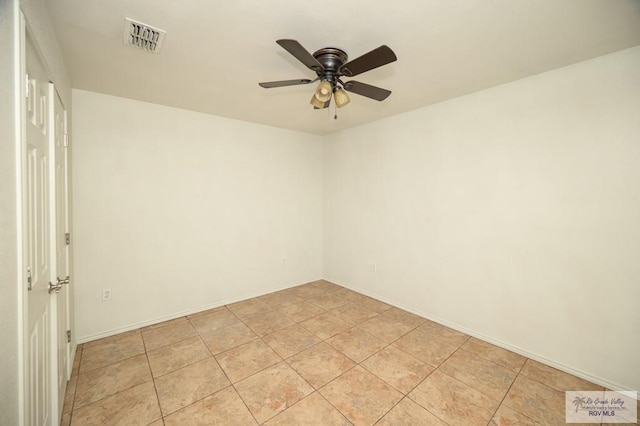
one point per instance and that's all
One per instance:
(216, 51)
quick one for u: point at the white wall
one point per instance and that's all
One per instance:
(176, 211)
(512, 213)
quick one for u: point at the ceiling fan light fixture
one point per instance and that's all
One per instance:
(340, 96)
(331, 63)
(323, 92)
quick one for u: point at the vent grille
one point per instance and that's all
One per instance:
(143, 36)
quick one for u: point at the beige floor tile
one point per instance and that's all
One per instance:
(482, 375)
(453, 401)
(171, 333)
(229, 337)
(247, 359)
(301, 311)
(189, 384)
(373, 305)
(445, 334)
(352, 313)
(110, 339)
(105, 381)
(70, 394)
(308, 291)
(399, 369)
(267, 322)
(177, 355)
(556, 379)
(213, 321)
(352, 296)
(360, 396)
(505, 416)
(224, 408)
(271, 391)
(206, 312)
(314, 410)
(77, 357)
(111, 351)
(135, 406)
(249, 307)
(280, 299)
(291, 340)
(495, 354)
(329, 301)
(325, 325)
(425, 347)
(404, 317)
(112, 377)
(66, 419)
(327, 286)
(320, 364)
(356, 344)
(538, 402)
(385, 328)
(408, 413)
(163, 324)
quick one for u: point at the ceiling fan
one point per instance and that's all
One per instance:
(330, 64)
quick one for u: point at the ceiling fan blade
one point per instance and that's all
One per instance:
(367, 90)
(374, 59)
(301, 54)
(271, 84)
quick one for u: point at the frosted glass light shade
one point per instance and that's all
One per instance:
(341, 97)
(323, 92)
(316, 103)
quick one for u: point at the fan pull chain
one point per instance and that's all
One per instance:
(335, 111)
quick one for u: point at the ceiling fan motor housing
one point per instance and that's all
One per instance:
(331, 59)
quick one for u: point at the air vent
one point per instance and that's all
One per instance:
(143, 36)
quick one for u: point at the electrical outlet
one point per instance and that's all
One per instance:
(374, 267)
(106, 294)
(284, 261)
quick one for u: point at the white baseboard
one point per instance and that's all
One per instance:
(551, 363)
(562, 367)
(135, 326)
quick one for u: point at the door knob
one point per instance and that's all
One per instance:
(55, 288)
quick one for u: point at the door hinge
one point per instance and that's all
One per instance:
(68, 336)
(26, 86)
(66, 141)
(29, 285)
(67, 239)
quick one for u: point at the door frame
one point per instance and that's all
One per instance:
(21, 143)
(56, 403)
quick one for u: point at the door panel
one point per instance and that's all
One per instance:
(38, 238)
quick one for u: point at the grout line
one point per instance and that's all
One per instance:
(331, 404)
(155, 389)
(275, 308)
(195, 402)
(244, 403)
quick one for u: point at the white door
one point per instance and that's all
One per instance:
(38, 262)
(60, 274)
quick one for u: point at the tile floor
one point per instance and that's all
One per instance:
(316, 354)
